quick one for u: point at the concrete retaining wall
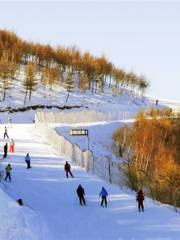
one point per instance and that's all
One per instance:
(80, 117)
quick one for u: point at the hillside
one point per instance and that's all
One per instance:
(105, 102)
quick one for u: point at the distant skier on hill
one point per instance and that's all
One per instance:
(81, 193)
(140, 199)
(28, 160)
(8, 172)
(67, 168)
(5, 133)
(5, 150)
(103, 194)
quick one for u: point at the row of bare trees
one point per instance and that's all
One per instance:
(150, 149)
(57, 65)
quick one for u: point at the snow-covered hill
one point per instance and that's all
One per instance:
(51, 208)
(105, 102)
(50, 200)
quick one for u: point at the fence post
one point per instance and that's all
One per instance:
(93, 161)
(109, 169)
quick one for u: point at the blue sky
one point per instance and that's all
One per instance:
(143, 36)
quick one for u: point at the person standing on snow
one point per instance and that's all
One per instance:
(11, 148)
(67, 168)
(103, 194)
(28, 161)
(140, 199)
(5, 133)
(8, 172)
(81, 193)
(5, 150)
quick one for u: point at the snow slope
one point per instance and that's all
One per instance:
(47, 192)
(104, 102)
(17, 222)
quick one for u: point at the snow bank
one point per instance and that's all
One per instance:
(17, 222)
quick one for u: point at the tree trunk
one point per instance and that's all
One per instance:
(30, 91)
(67, 97)
(4, 92)
(25, 96)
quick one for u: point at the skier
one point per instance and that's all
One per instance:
(5, 133)
(81, 194)
(103, 194)
(8, 172)
(11, 148)
(140, 199)
(67, 168)
(5, 150)
(28, 161)
(20, 202)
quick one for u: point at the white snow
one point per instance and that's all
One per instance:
(52, 211)
(104, 102)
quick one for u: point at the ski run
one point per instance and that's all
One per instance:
(51, 208)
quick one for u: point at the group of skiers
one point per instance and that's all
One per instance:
(81, 195)
(11, 150)
(12, 144)
(103, 193)
(80, 190)
(67, 167)
(9, 168)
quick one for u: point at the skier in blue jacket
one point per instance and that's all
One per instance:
(103, 194)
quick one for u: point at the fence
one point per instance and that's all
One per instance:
(81, 116)
(65, 148)
(101, 166)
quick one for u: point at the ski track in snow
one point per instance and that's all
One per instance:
(52, 197)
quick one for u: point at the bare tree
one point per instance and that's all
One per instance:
(29, 81)
(5, 74)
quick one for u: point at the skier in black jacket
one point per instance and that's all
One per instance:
(5, 150)
(81, 194)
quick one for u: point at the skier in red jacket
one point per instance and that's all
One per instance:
(67, 168)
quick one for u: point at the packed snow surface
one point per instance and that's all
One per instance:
(52, 210)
